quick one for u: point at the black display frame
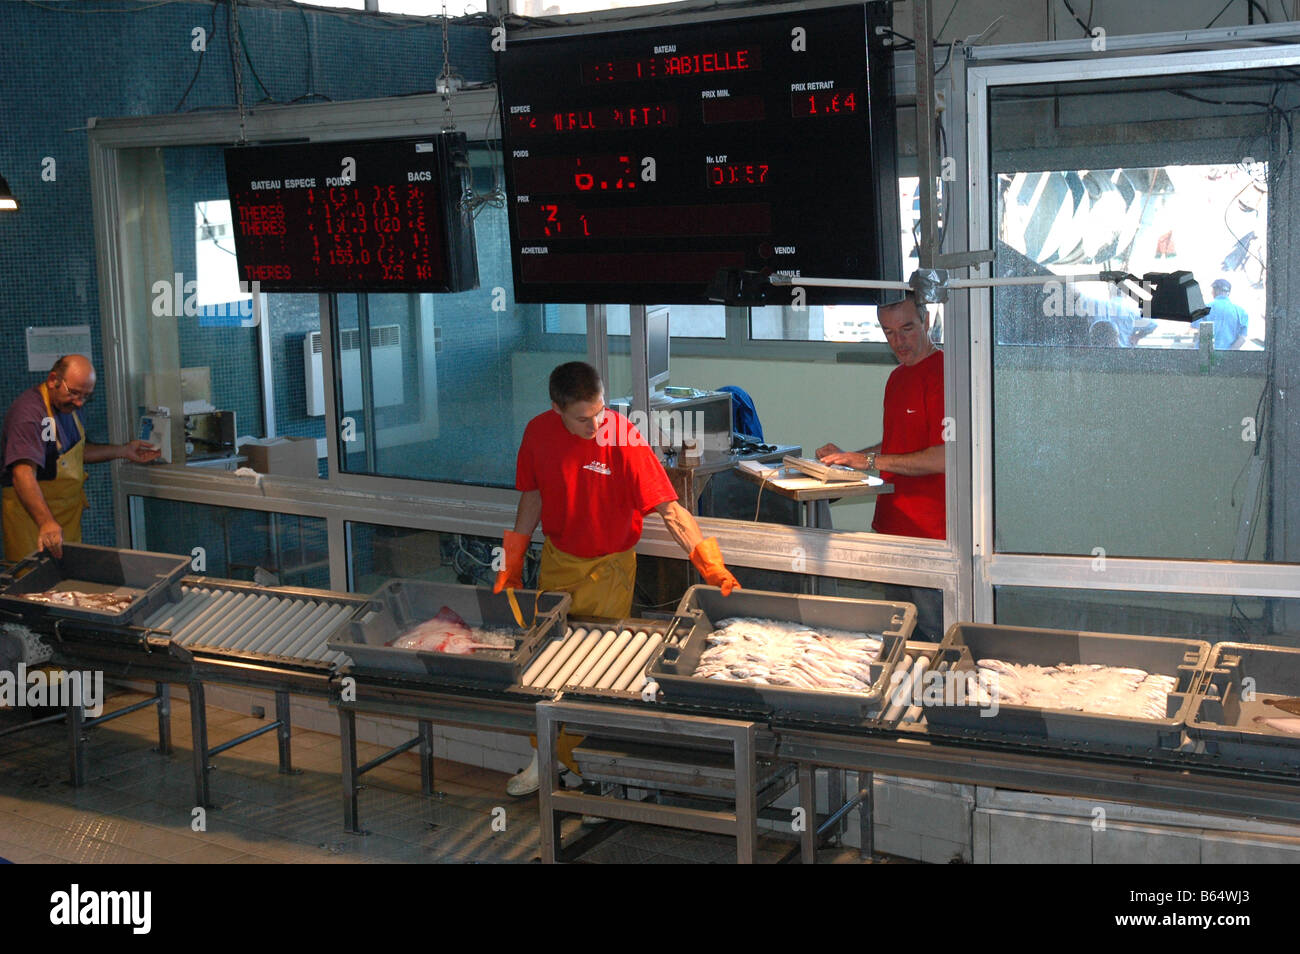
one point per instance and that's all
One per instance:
(537, 73)
(429, 172)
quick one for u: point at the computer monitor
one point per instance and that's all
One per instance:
(656, 346)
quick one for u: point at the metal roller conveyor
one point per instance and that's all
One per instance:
(567, 648)
(607, 658)
(206, 633)
(575, 660)
(288, 622)
(202, 619)
(312, 639)
(254, 624)
(615, 670)
(173, 613)
(276, 611)
(234, 621)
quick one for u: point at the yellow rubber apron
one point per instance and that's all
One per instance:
(64, 495)
(600, 586)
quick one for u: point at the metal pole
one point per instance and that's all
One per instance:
(925, 157)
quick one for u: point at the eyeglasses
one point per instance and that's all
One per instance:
(82, 396)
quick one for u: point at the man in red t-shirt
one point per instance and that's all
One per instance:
(590, 478)
(910, 454)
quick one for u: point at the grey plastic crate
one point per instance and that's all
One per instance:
(401, 604)
(1225, 722)
(967, 642)
(151, 579)
(674, 667)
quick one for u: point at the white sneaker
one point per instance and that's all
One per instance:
(593, 820)
(526, 782)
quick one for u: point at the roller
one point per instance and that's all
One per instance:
(615, 671)
(298, 612)
(238, 616)
(636, 668)
(914, 713)
(593, 657)
(164, 616)
(259, 621)
(312, 633)
(273, 644)
(544, 657)
(904, 690)
(201, 620)
(576, 659)
(611, 654)
(559, 659)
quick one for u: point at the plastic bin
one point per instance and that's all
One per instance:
(400, 604)
(967, 642)
(1240, 678)
(674, 667)
(151, 579)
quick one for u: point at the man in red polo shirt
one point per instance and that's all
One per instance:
(589, 477)
(910, 454)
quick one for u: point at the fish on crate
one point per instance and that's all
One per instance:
(1290, 726)
(107, 602)
(1084, 687)
(449, 633)
(763, 652)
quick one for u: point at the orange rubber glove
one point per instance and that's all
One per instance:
(516, 546)
(708, 560)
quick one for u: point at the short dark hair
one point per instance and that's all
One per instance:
(575, 381)
(908, 299)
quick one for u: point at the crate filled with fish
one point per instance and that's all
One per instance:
(92, 583)
(601, 659)
(454, 633)
(1248, 709)
(1105, 690)
(784, 654)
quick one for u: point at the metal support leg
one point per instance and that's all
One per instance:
(867, 815)
(808, 802)
(284, 733)
(199, 742)
(77, 752)
(348, 747)
(426, 757)
(164, 693)
(746, 798)
(548, 773)
(835, 798)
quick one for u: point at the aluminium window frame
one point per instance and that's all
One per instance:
(1150, 57)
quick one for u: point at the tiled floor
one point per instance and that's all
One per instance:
(138, 806)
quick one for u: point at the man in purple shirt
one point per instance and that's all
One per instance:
(45, 453)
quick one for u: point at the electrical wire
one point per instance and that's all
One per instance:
(947, 18)
(1087, 27)
(212, 31)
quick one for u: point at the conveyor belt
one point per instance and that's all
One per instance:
(290, 625)
(594, 658)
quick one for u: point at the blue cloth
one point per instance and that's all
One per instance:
(1229, 319)
(744, 417)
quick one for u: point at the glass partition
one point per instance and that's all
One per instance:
(1118, 432)
(272, 549)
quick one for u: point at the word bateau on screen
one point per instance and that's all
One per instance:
(377, 215)
(639, 163)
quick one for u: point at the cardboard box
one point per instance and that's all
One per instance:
(283, 456)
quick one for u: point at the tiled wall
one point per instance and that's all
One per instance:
(66, 62)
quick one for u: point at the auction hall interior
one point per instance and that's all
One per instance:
(692, 432)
